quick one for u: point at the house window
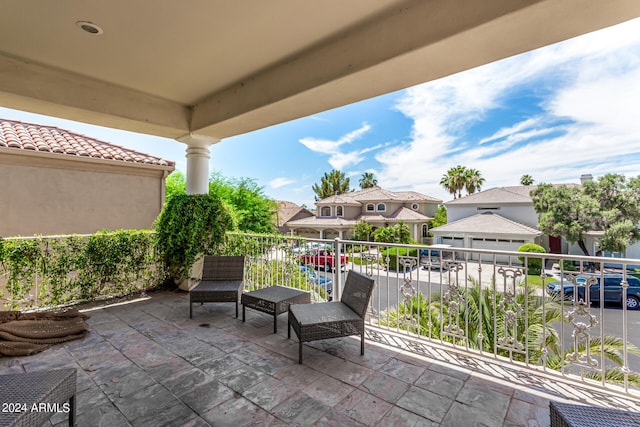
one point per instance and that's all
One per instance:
(382, 207)
(370, 207)
(339, 211)
(325, 211)
(488, 209)
(415, 206)
(425, 230)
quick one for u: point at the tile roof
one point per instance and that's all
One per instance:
(322, 221)
(402, 214)
(487, 223)
(502, 195)
(50, 139)
(287, 210)
(375, 194)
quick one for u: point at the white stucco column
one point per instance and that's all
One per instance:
(415, 233)
(198, 155)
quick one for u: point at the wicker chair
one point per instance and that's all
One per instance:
(333, 319)
(222, 281)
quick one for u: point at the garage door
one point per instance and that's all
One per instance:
(496, 245)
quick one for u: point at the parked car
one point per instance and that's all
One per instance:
(323, 281)
(612, 289)
(322, 258)
(433, 256)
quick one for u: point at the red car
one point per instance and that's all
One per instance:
(322, 258)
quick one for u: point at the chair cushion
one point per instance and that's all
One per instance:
(325, 312)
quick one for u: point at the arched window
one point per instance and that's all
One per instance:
(370, 207)
(339, 211)
(382, 207)
(325, 211)
(425, 230)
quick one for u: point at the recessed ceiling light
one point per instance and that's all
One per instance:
(89, 27)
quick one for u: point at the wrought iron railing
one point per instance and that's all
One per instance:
(538, 311)
(514, 307)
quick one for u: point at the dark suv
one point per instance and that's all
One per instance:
(612, 289)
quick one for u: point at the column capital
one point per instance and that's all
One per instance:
(197, 140)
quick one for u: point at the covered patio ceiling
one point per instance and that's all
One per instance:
(223, 68)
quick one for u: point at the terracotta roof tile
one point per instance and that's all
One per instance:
(50, 139)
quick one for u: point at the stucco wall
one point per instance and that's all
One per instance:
(48, 195)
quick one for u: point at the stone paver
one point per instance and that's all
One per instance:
(148, 364)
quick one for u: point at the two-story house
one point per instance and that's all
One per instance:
(503, 218)
(499, 219)
(337, 215)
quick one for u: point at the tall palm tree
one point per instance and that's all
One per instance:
(331, 183)
(526, 179)
(368, 180)
(454, 180)
(473, 180)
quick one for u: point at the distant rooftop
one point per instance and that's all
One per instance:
(50, 139)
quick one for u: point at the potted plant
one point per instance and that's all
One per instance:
(189, 227)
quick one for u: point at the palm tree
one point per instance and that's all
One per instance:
(331, 183)
(368, 180)
(526, 179)
(454, 180)
(475, 320)
(473, 180)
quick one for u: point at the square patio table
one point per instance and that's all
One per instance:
(274, 300)
(30, 399)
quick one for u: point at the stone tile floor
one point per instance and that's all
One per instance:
(145, 363)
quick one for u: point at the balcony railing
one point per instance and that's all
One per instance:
(516, 309)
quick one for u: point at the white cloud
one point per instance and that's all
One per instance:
(280, 182)
(339, 159)
(589, 89)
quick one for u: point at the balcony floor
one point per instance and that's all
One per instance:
(145, 363)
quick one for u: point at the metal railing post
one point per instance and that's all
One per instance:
(337, 278)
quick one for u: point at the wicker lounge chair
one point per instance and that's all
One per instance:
(222, 281)
(333, 319)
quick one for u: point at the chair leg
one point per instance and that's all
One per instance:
(300, 353)
(275, 323)
(237, 309)
(72, 411)
(288, 330)
(190, 310)
(243, 313)
(362, 343)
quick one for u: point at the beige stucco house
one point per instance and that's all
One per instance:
(337, 215)
(289, 211)
(53, 181)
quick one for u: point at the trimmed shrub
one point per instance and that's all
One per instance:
(534, 264)
(394, 253)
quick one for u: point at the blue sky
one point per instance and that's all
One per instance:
(554, 113)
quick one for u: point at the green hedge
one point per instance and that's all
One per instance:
(43, 271)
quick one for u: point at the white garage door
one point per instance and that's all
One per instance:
(496, 245)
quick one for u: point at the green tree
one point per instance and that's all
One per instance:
(384, 235)
(176, 183)
(473, 181)
(460, 177)
(331, 184)
(440, 217)
(362, 231)
(526, 179)
(610, 205)
(253, 210)
(402, 232)
(368, 180)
